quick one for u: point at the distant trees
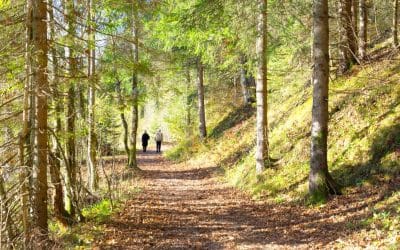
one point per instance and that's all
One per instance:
(320, 181)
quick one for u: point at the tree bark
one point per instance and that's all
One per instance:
(395, 23)
(200, 96)
(320, 181)
(355, 11)
(71, 168)
(55, 156)
(40, 50)
(25, 142)
(262, 148)
(345, 53)
(92, 139)
(363, 29)
(135, 91)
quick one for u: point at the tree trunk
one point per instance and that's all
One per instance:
(320, 181)
(262, 148)
(71, 168)
(135, 91)
(92, 139)
(346, 51)
(200, 95)
(55, 166)
(188, 104)
(395, 23)
(122, 115)
(25, 142)
(245, 82)
(363, 29)
(353, 30)
(40, 49)
(355, 10)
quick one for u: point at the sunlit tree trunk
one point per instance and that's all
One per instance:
(395, 23)
(92, 139)
(135, 91)
(40, 81)
(320, 181)
(200, 95)
(363, 29)
(262, 148)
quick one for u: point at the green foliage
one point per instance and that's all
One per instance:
(98, 212)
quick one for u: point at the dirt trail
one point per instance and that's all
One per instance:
(185, 207)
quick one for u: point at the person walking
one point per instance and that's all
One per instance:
(159, 139)
(145, 140)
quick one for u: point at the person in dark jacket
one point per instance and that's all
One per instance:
(145, 140)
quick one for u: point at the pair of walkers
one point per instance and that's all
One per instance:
(158, 138)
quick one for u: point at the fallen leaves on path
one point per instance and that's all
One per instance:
(185, 207)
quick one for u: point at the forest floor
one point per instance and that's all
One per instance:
(188, 207)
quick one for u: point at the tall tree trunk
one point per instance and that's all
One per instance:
(395, 23)
(320, 181)
(345, 36)
(92, 139)
(25, 143)
(135, 91)
(55, 166)
(40, 49)
(262, 148)
(200, 95)
(71, 168)
(363, 29)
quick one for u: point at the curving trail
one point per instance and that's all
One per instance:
(186, 207)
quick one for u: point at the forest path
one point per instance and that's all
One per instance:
(187, 207)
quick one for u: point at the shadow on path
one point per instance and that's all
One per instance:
(184, 207)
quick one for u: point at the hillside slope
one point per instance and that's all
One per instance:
(364, 141)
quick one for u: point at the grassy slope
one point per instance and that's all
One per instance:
(364, 139)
